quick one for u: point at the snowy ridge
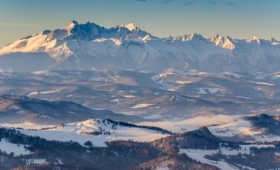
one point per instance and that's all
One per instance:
(89, 45)
(95, 130)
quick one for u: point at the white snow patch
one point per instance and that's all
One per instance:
(142, 105)
(13, 148)
(48, 92)
(205, 90)
(243, 97)
(130, 26)
(196, 73)
(49, 74)
(15, 107)
(162, 166)
(42, 92)
(263, 83)
(36, 161)
(277, 153)
(128, 96)
(32, 93)
(183, 82)
(266, 138)
(70, 95)
(115, 100)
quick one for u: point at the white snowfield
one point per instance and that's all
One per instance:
(11, 148)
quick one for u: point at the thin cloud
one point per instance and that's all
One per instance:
(189, 3)
(167, 1)
(18, 24)
(213, 3)
(230, 4)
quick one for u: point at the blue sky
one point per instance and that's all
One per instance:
(235, 18)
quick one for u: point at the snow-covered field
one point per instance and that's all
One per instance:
(198, 154)
(16, 149)
(239, 127)
(80, 132)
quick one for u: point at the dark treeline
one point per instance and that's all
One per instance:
(163, 131)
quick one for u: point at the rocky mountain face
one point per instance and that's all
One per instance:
(90, 46)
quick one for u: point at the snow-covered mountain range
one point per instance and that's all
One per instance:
(90, 46)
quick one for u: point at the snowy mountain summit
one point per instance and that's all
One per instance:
(90, 46)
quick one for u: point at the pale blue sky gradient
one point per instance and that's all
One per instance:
(235, 18)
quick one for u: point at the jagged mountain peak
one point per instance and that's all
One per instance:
(218, 37)
(74, 24)
(272, 40)
(195, 36)
(88, 31)
(71, 25)
(223, 41)
(189, 37)
(129, 31)
(254, 39)
(130, 26)
(45, 32)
